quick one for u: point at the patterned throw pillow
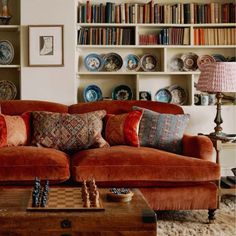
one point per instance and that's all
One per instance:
(14, 130)
(162, 131)
(68, 132)
(123, 129)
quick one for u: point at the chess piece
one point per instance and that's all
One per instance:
(86, 202)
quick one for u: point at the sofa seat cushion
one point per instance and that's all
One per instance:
(24, 163)
(141, 166)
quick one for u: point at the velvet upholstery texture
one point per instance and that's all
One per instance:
(23, 163)
(17, 107)
(202, 196)
(143, 164)
(119, 107)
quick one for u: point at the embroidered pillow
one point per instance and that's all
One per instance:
(122, 129)
(14, 130)
(162, 131)
(68, 132)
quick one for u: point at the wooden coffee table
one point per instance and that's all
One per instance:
(131, 218)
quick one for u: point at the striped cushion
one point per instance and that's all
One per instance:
(162, 131)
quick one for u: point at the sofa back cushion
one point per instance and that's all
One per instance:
(18, 107)
(68, 132)
(119, 107)
(14, 130)
(162, 131)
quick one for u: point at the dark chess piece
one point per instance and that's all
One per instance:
(36, 192)
(44, 197)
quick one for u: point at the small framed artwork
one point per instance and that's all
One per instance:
(145, 96)
(46, 45)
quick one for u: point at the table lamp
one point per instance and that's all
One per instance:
(218, 77)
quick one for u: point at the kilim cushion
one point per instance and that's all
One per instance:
(14, 130)
(122, 129)
(162, 131)
(68, 132)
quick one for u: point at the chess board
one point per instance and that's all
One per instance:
(65, 199)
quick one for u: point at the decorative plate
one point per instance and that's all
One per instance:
(131, 62)
(163, 95)
(205, 59)
(219, 57)
(112, 62)
(7, 90)
(189, 61)
(148, 62)
(92, 93)
(176, 64)
(6, 52)
(178, 95)
(232, 59)
(93, 62)
(122, 92)
(145, 96)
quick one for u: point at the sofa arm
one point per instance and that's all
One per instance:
(198, 146)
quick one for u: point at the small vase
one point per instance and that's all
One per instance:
(5, 16)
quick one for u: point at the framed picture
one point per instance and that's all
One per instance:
(46, 45)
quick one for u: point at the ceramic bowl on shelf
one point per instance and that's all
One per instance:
(92, 93)
(93, 62)
(132, 62)
(112, 62)
(8, 90)
(122, 92)
(163, 95)
(178, 95)
(6, 52)
(149, 62)
(189, 61)
(203, 60)
(5, 20)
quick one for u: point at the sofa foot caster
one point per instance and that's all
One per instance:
(211, 215)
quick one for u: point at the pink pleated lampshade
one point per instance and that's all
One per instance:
(218, 77)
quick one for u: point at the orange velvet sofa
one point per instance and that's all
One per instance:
(168, 181)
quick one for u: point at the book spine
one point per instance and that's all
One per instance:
(88, 12)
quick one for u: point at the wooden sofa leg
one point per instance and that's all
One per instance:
(211, 215)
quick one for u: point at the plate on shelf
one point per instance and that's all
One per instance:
(203, 60)
(6, 52)
(112, 62)
(92, 93)
(189, 61)
(219, 57)
(93, 62)
(178, 95)
(8, 90)
(132, 62)
(176, 64)
(145, 96)
(232, 59)
(163, 95)
(148, 62)
(122, 92)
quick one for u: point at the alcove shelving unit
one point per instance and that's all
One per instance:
(12, 33)
(163, 76)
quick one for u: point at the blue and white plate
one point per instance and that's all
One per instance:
(93, 62)
(92, 93)
(131, 62)
(6, 52)
(163, 95)
(122, 92)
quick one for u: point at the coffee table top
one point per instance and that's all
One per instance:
(134, 215)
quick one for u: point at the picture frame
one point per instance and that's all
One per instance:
(46, 46)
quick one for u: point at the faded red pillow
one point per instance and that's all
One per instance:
(123, 129)
(14, 130)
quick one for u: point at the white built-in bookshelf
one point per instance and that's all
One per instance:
(12, 33)
(163, 76)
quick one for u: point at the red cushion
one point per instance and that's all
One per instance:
(141, 166)
(24, 163)
(123, 129)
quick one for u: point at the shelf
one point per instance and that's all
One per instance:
(9, 66)
(9, 27)
(138, 73)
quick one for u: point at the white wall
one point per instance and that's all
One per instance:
(57, 84)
